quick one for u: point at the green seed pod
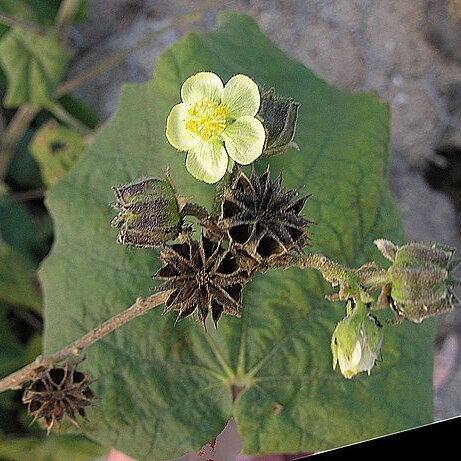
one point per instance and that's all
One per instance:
(278, 116)
(420, 279)
(148, 213)
(356, 341)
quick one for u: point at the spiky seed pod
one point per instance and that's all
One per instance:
(56, 392)
(204, 277)
(262, 218)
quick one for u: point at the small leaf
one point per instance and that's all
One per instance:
(55, 148)
(34, 64)
(18, 285)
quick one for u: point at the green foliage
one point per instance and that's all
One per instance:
(23, 171)
(55, 148)
(28, 234)
(18, 285)
(166, 390)
(12, 351)
(52, 448)
(79, 110)
(34, 64)
(12, 357)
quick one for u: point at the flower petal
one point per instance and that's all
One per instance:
(204, 85)
(244, 139)
(241, 96)
(176, 132)
(207, 161)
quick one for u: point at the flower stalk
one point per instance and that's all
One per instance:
(352, 283)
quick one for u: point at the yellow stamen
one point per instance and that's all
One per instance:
(207, 119)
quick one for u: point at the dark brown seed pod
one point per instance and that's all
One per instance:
(262, 218)
(57, 392)
(205, 278)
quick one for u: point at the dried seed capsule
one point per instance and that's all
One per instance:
(56, 392)
(262, 218)
(421, 280)
(148, 213)
(204, 277)
(279, 116)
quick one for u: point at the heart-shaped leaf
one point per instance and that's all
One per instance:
(34, 64)
(166, 390)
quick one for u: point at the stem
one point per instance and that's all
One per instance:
(13, 132)
(106, 64)
(61, 114)
(14, 22)
(193, 209)
(64, 19)
(139, 308)
(24, 196)
(351, 282)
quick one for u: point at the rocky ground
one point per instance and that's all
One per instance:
(406, 51)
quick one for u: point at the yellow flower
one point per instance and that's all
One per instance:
(216, 124)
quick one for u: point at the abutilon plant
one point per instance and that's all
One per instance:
(256, 224)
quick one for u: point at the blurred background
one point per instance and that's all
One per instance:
(408, 52)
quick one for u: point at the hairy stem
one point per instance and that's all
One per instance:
(193, 209)
(64, 18)
(14, 22)
(351, 282)
(139, 308)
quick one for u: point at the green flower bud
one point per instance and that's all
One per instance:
(356, 341)
(279, 116)
(148, 213)
(421, 279)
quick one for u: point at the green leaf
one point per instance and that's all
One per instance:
(12, 357)
(79, 110)
(166, 390)
(19, 9)
(17, 227)
(12, 351)
(52, 448)
(23, 171)
(34, 64)
(18, 284)
(55, 148)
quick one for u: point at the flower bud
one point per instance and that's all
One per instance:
(356, 341)
(420, 279)
(148, 213)
(278, 116)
